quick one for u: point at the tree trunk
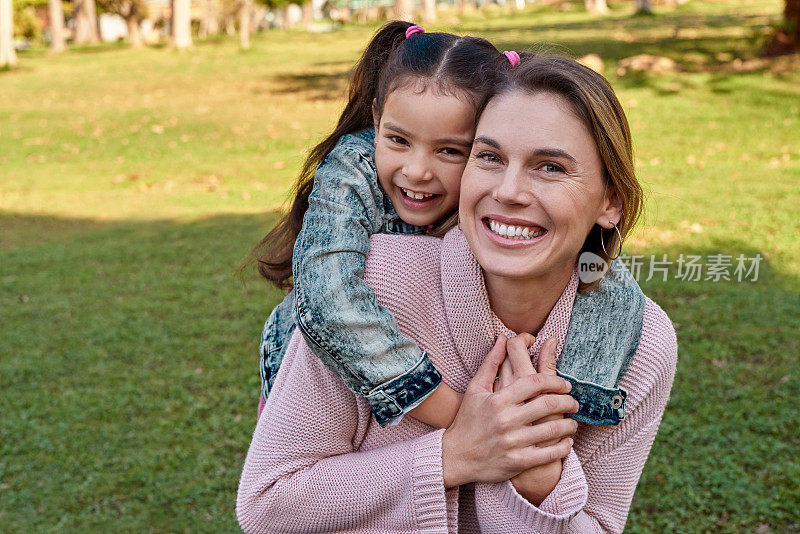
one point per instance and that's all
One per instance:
(181, 24)
(134, 32)
(519, 5)
(404, 10)
(230, 26)
(596, 7)
(791, 15)
(210, 23)
(643, 6)
(244, 24)
(8, 55)
(57, 41)
(308, 15)
(429, 10)
(86, 22)
(286, 19)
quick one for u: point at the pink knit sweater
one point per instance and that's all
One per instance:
(319, 462)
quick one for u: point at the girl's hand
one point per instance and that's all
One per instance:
(491, 438)
(536, 483)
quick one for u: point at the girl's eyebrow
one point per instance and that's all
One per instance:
(445, 141)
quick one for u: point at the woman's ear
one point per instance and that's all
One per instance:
(612, 209)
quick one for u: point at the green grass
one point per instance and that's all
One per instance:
(133, 183)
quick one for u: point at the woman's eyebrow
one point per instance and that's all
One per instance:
(487, 141)
(553, 153)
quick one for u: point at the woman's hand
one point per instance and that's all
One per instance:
(491, 438)
(536, 483)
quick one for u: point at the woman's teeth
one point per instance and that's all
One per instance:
(516, 232)
(415, 194)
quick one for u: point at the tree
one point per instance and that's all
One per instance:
(8, 55)
(244, 24)
(429, 10)
(308, 14)
(786, 38)
(86, 30)
(404, 10)
(596, 7)
(133, 12)
(181, 24)
(56, 11)
(210, 23)
(644, 6)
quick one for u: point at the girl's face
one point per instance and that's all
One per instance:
(534, 173)
(422, 143)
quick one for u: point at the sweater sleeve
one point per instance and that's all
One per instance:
(337, 313)
(594, 494)
(303, 473)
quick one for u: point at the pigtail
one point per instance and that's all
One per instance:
(273, 254)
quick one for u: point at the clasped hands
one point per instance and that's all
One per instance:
(511, 423)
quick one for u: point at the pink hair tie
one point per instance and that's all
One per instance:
(513, 57)
(414, 29)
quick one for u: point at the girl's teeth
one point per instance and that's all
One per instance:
(514, 232)
(415, 195)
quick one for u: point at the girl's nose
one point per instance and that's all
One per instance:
(417, 169)
(514, 188)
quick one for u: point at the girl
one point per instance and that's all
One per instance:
(422, 92)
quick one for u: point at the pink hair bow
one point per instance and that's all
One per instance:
(413, 30)
(513, 57)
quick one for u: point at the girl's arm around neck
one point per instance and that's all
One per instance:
(337, 313)
(439, 408)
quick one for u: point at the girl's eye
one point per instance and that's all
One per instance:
(452, 151)
(398, 140)
(488, 157)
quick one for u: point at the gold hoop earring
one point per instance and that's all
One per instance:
(602, 244)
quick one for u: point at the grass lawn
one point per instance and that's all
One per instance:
(134, 182)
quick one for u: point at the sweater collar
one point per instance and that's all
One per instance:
(472, 322)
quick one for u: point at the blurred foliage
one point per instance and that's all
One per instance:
(127, 9)
(27, 24)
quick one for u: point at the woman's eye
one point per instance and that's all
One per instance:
(552, 167)
(488, 157)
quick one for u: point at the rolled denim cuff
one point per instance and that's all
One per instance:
(598, 405)
(392, 399)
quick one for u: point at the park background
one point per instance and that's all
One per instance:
(134, 181)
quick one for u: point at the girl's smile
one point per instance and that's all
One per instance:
(421, 154)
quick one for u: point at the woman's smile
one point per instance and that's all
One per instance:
(513, 232)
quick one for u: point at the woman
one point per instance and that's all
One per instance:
(552, 158)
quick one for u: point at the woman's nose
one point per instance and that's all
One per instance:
(513, 188)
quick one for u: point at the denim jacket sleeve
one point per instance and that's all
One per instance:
(337, 313)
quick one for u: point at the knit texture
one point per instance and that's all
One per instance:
(319, 462)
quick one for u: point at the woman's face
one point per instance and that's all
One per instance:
(535, 173)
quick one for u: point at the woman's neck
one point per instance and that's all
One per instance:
(523, 305)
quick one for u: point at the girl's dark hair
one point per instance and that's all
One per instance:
(593, 100)
(466, 67)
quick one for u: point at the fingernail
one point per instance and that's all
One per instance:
(571, 442)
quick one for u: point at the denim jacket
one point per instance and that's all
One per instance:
(338, 314)
(360, 341)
